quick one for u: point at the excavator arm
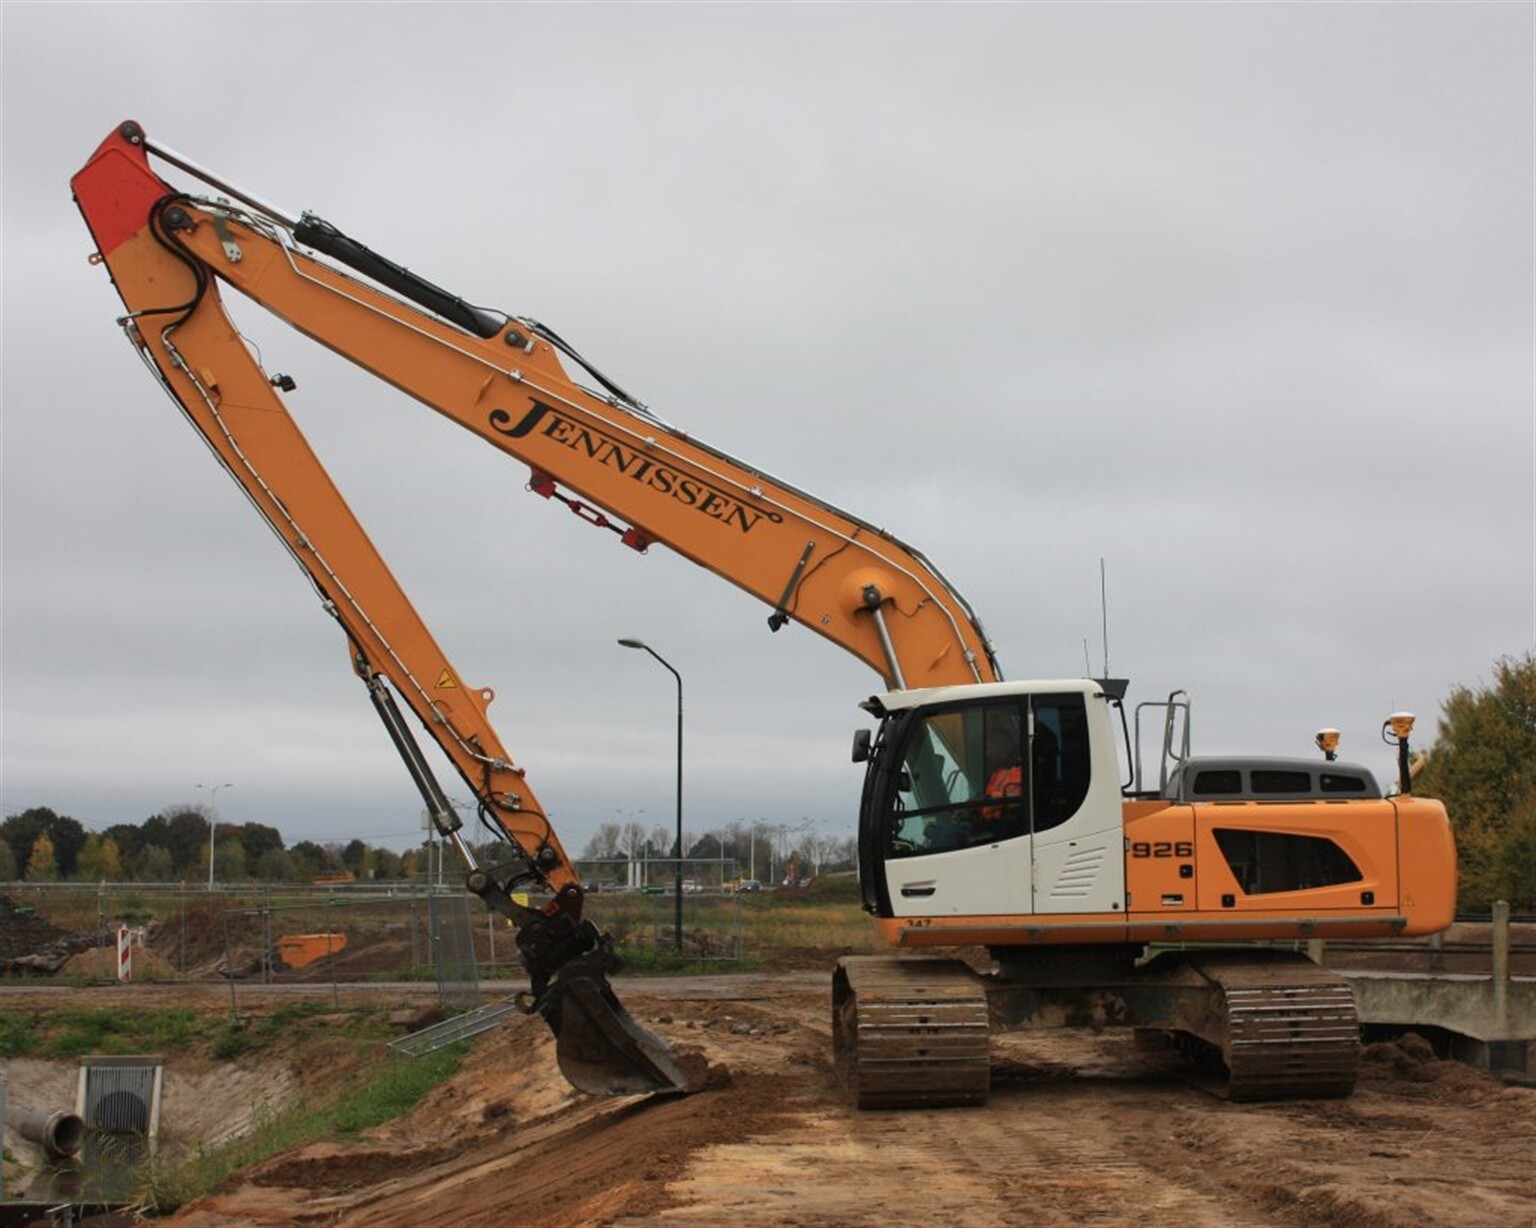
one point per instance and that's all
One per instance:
(152, 240)
(586, 443)
(595, 448)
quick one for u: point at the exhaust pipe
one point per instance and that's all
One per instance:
(58, 1133)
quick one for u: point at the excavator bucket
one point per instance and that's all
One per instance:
(601, 1049)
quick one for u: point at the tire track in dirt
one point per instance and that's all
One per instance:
(1080, 1131)
(1047, 1149)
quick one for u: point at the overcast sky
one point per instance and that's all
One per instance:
(1235, 297)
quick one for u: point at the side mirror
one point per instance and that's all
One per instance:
(861, 744)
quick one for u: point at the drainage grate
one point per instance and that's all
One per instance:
(119, 1098)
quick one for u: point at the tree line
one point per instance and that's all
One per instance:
(40, 845)
(769, 852)
(1481, 764)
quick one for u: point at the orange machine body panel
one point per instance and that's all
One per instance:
(1181, 887)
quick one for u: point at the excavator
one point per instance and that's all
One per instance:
(995, 815)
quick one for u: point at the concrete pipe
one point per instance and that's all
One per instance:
(58, 1133)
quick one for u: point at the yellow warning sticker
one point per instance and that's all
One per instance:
(445, 682)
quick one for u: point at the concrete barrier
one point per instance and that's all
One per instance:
(1494, 1016)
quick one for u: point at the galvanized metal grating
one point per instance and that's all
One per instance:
(119, 1099)
(460, 1027)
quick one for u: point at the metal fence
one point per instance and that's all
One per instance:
(453, 951)
(345, 933)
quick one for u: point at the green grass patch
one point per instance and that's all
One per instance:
(285, 1017)
(18, 1034)
(840, 888)
(721, 932)
(787, 921)
(231, 1043)
(826, 915)
(390, 1088)
(376, 1089)
(73, 1033)
(393, 1090)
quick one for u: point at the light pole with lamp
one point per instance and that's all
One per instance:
(213, 810)
(677, 928)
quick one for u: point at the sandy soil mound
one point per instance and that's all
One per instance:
(1079, 1131)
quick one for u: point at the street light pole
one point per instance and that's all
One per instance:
(213, 810)
(677, 883)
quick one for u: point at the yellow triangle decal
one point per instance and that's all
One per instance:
(445, 682)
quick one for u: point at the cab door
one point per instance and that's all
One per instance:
(957, 829)
(1076, 821)
(1004, 807)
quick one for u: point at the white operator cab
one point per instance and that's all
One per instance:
(998, 799)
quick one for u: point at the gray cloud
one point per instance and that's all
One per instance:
(1236, 297)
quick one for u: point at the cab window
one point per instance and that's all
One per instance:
(964, 782)
(961, 783)
(1060, 766)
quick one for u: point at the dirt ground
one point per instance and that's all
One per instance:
(1078, 1131)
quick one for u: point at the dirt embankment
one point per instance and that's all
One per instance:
(1078, 1131)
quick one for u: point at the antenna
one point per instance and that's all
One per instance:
(1087, 667)
(1104, 614)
